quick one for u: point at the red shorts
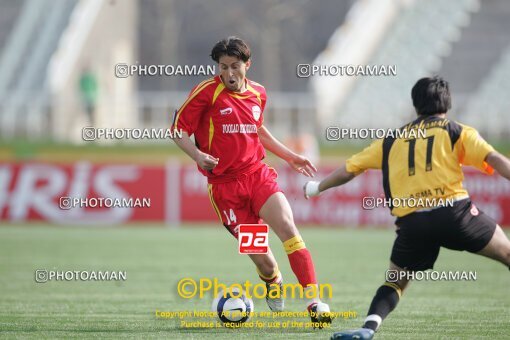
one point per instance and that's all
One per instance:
(239, 201)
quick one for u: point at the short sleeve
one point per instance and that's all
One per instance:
(369, 158)
(263, 100)
(474, 150)
(188, 116)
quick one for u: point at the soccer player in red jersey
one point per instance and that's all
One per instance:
(225, 114)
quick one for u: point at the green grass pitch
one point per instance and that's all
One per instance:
(155, 259)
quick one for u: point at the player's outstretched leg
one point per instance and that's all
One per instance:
(384, 302)
(498, 247)
(268, 271)
(277, 213)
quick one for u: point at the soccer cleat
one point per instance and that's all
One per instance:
(320, 314)
(355, 334)
(275, 304)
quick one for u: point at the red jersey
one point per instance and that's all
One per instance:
(225, 125)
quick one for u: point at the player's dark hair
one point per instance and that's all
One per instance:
(431, 96)
(231, 46)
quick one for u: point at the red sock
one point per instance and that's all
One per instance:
(300, 261)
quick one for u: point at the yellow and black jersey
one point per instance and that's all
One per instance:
(428, 167)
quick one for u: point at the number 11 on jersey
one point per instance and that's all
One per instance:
(428, 157)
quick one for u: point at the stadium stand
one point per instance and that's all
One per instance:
(10, 10)
(135, 38)
(478, 68)
(26, 53)
(416, 43)
(477, 51)
(467, 48)
(488, 109)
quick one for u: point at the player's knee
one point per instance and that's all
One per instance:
(400, 284)
(285, 228)
(287, 221)
(502, 253)
(403, 284)
(290, 228)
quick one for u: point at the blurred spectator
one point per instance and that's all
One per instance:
(88, 93)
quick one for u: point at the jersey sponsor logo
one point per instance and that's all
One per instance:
(239, 128)
(255, 110)
(253, 238)
(226, 111)
(440, 123)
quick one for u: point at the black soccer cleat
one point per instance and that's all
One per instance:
(320, 314)
(354, 334)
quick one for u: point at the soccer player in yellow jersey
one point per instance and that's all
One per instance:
(429, 168)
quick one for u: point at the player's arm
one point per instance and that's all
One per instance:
(369, 158)
(337, 178)
(500, 163)
(205, 161)
(187, 120)
(297, 162)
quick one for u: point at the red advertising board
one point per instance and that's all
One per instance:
(178, 193)
(31, 191)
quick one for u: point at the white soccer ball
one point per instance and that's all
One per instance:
(234, 307)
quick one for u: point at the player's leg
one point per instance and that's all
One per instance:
(277, 213)
(478, 233)
(498, 247)
(384, 302)
(231, 203)
(266, 264)
(268, 271)
(414, 249)
(269, 203)
(386, 297)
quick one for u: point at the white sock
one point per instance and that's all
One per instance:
(376, 318)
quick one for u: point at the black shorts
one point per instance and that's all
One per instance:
(420, 235)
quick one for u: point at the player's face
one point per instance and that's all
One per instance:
(233, 72)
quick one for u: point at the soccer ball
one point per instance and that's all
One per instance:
(233, 307)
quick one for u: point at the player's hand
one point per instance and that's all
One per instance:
(311, 189)
(206, 161)
(302, 165)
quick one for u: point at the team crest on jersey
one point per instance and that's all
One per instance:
(255, 110)
(226, 111)
(474, 210)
